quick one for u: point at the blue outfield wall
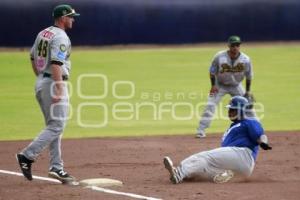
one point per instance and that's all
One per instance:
(106, 22)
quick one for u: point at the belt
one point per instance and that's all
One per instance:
(64, 77)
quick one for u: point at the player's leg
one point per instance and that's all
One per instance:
(209, 111)
(53, 129)
(195, 167)
(24, 162)
(30, 153)
(56, 169)
(59, 114)
(217, 165)
(239, 160)
(40, 101)
(55, 154)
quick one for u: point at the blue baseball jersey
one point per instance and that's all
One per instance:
(243, 133)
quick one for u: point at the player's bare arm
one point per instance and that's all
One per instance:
(248, 86)
(214, 88)
(34, 67)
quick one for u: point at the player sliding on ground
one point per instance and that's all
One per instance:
(237, 154)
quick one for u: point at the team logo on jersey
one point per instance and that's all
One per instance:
(61, 55)
(237, 68)
(229, 130)
(63, 47)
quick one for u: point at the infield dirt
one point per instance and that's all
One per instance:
(137, 162)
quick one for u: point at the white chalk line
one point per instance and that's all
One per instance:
(94, 188)
(34, 177)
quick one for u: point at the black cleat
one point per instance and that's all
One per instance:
(61, 175)
(25, 165)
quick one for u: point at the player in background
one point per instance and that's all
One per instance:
(227, 71)
(237, 154)
(50, 62)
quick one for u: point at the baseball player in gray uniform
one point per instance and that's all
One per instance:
(227, 71)
(237, 154)
(50, 62)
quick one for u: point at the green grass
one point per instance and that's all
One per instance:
(158, 75)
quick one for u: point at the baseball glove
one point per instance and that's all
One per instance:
(265, 146)
(251, 99)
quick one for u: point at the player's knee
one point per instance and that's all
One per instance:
(57, 127)
(245, 171)
(194, 165)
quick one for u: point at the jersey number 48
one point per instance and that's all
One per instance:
(42, 48)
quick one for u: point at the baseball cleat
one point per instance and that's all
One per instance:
(61, 175)
(25, 165)
(223, 177)
(174, 175)
(200, 133)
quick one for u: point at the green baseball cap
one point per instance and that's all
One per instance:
(234, 39)
(64, 10)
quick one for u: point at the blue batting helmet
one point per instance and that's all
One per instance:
(238, 103)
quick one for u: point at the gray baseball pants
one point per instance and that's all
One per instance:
(55, 116)
(207, 164)
(214, 100)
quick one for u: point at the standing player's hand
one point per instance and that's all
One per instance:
(213, 90)
(57, 96)
(56, 99)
